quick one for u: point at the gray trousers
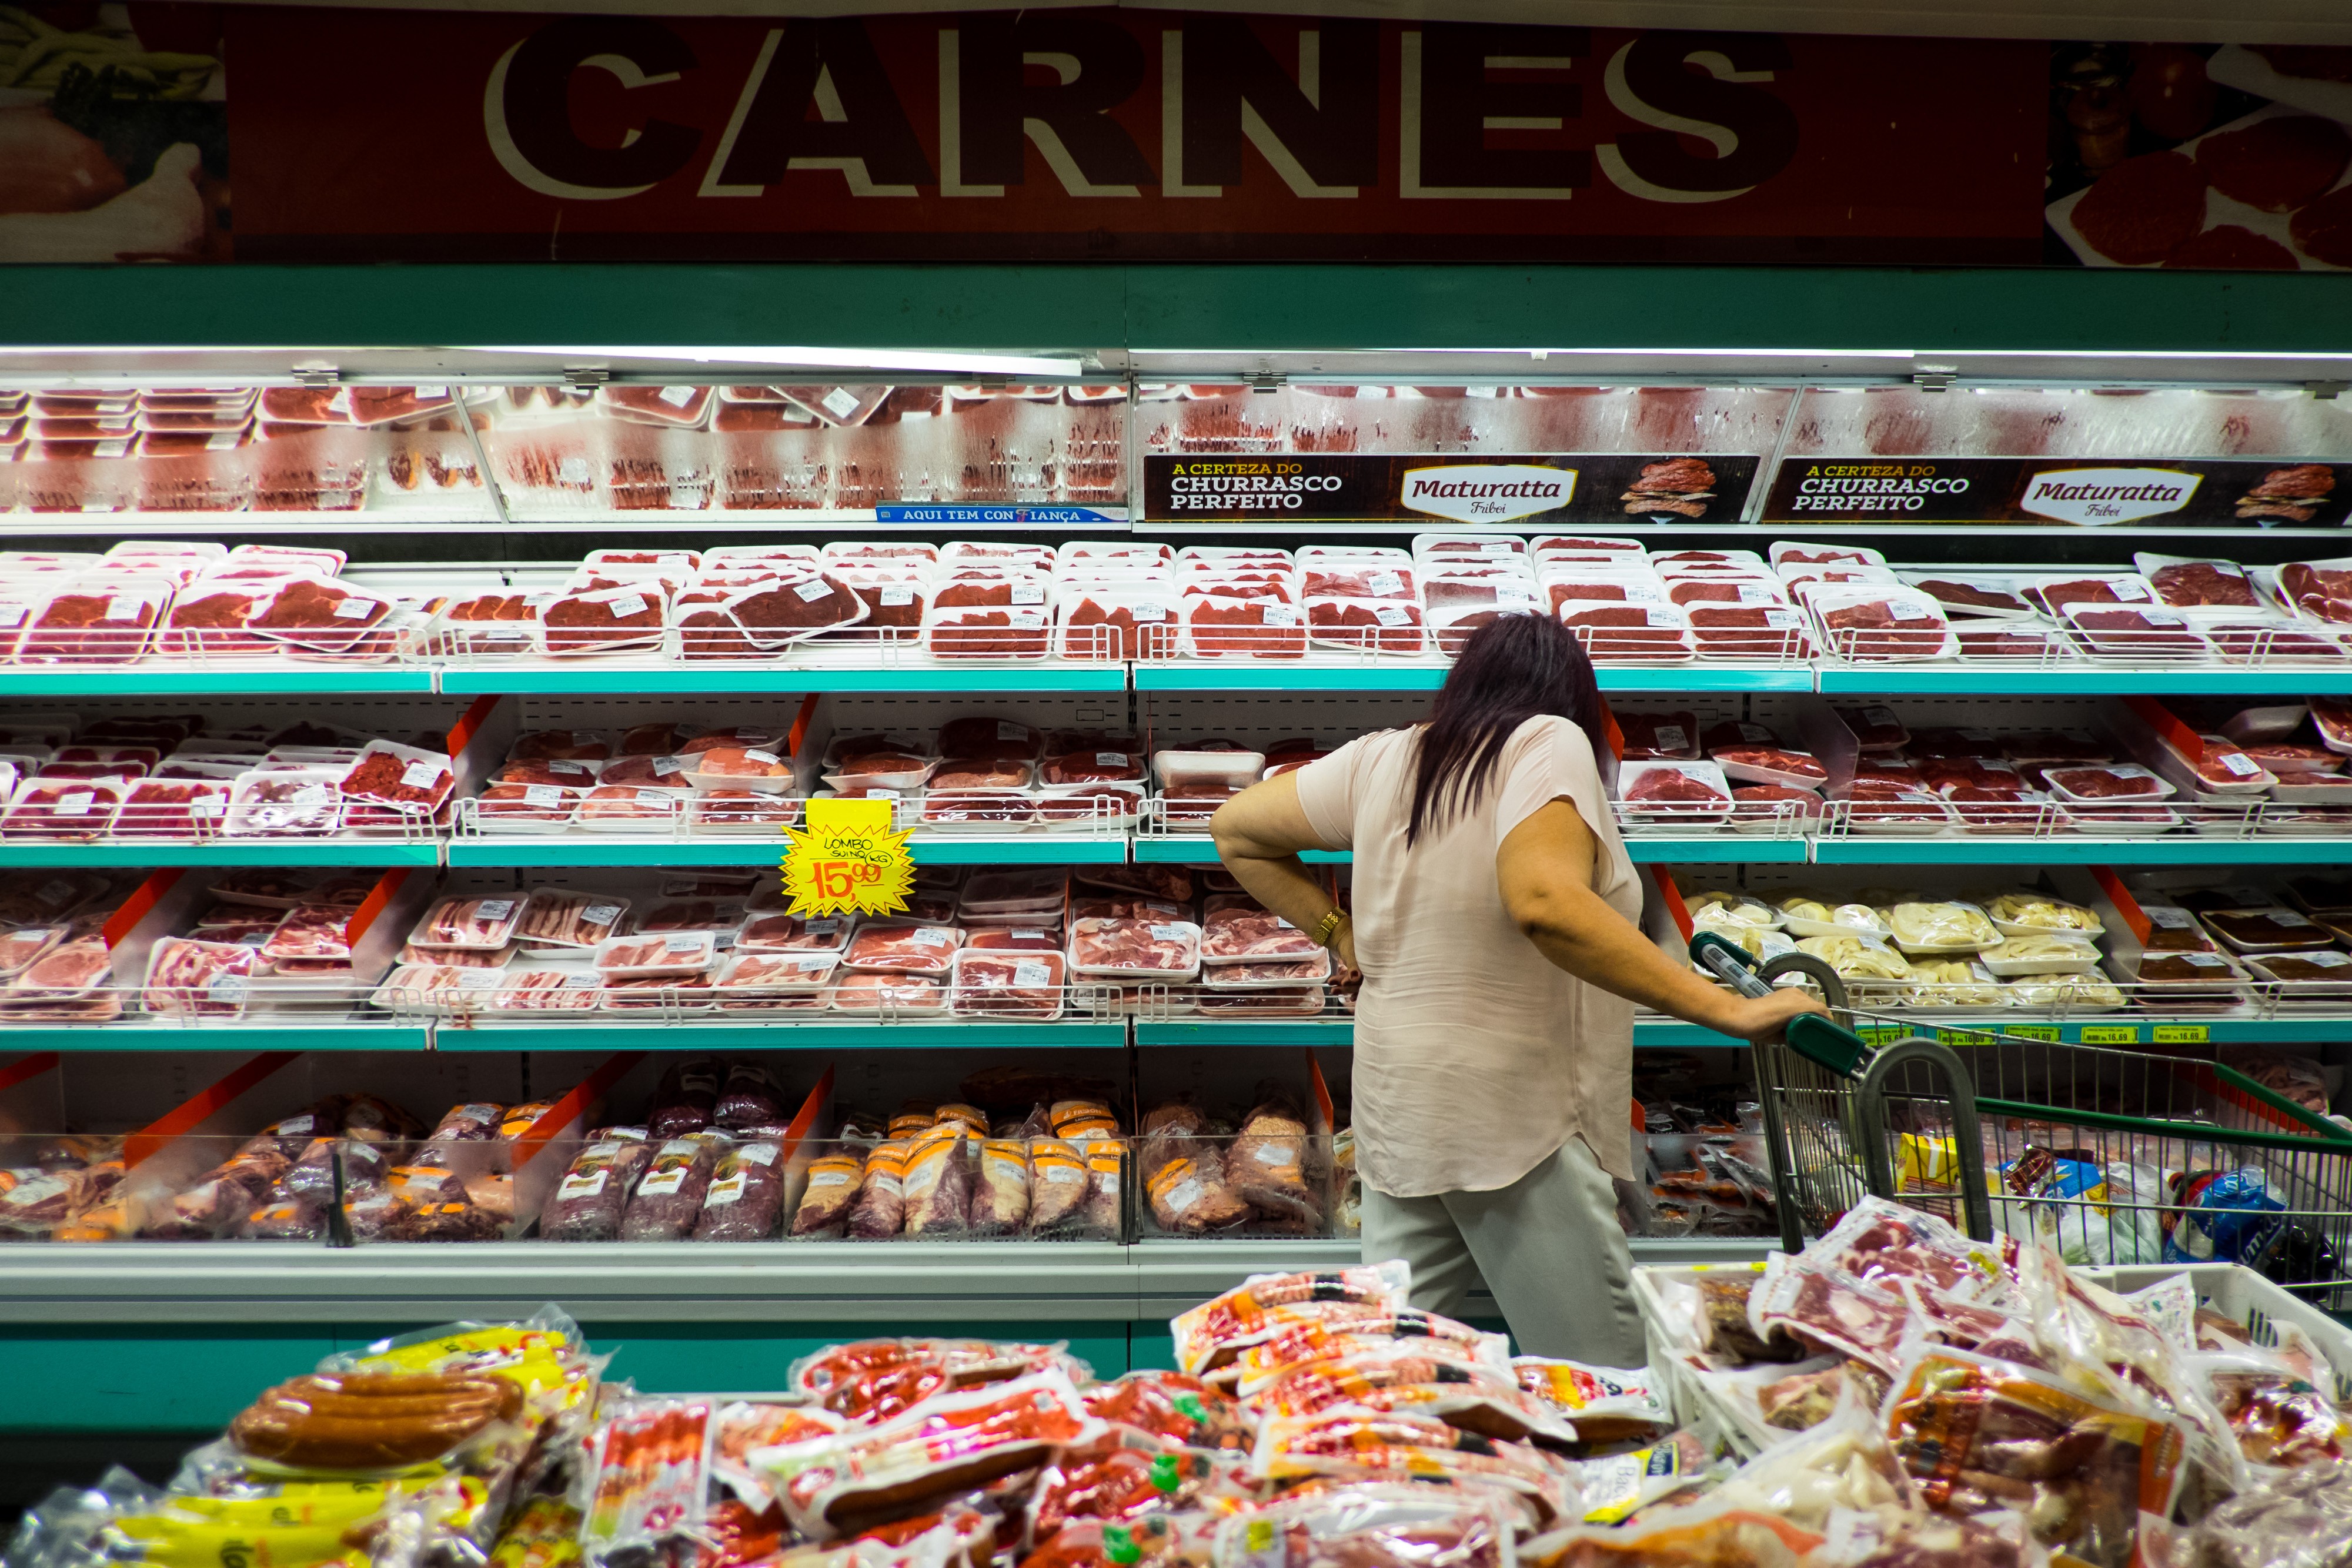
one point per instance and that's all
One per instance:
(1549, 1245)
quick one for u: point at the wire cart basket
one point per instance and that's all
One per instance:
(2118, 1157)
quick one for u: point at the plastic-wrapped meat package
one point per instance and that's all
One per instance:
(1368, 579)
(704, 629)
(67, 971)
(939, 1184)
(2321, 590)
(2202, 584)
(684, 1100)
(517, 807)
(793, 933)
(290, 800)
(902, 949)
(556, 918)
(1867, 622)
(1622, 632)
(311, 931)
(1173, 1407)
(199, 978)
(1059, 1182)
(887, 993)
(999, 1194)
(1478, 1395)
(96, 621)
(483, 924)
(171, 808)
(493, 622)
(668, 1197)
(748, 1100)
(1360, 1445)
(2055, 595)
(402, 779)
(605, 620)
(1118, 621)
(880, 1211)
(894, 602)
(1117, 1479)
(1373, 625)
(831, 1191)
(68, 809)
(1135, 950)
(1077, 769)
(1748, 632)
(1267, 1166)
(1237, 930)
(1831, 1314)
(208, 619)
(1013, 984)
(1223, 626)
(1978, 1435)
(589, 1201)
(1659, 737)
(1687, 789)
(746, 1198)
(789, 610)
(987, 622)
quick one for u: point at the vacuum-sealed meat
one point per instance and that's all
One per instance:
(668, 1197)
(749, 1100)
(1266, 1165)
(684, 1100)
(880, 1211)
(594, 1192)
(832, 1190)
(1058, 1180)
(746, 1198)
(937, 1185)
(999, 1197)
(1659, 737)
(1184, 1179)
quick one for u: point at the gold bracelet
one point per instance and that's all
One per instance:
(1329, 928)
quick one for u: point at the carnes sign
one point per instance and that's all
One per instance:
(1116, 133)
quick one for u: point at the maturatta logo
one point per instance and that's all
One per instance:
(1487, 492)
(2097, 495)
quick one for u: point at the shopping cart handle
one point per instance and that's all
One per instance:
(1815, 1037)
(1727, 962)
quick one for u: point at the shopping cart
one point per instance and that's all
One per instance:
(2121, 1158)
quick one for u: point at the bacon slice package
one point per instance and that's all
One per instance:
(1212, 1333)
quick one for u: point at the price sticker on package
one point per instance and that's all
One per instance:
(848, 857)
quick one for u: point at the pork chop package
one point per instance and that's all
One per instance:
(746, 1198)
(668, 1197)
(594, 1192)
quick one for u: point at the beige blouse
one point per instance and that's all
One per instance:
(1477, 1058)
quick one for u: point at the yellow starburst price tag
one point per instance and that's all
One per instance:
(847, 858)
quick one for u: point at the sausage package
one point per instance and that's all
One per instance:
(950, 1444)
(1359, 1445)
(1262, 1306)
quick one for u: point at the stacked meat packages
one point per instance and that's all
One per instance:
(352, 1165)
(171, 777)
(1673, 774)
(261, 940)
(663, 776)
(992, 775)
(1628, 605)
(202, 602)
(1265, 1172)
(56, 965)
(1707, 1169)
(1989, 1400)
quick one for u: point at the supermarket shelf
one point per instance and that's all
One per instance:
(234, 1034)
(930, 849)
(1706, 678)
(652, 680)
(1403, 675)
(706, 1033)
(223, 680)
(1989, 679)
(143, 854)
(2168, 849)
(1245, 1031)
(1726, 849)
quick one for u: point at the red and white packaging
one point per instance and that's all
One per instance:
(999, 555)
(1706, 561)
(559, 921)
(1027, 984)
(1436, 550)
(63, 809)
(1616, 633)
(1757, 807)
(95, 621)
(658, 956)
(1800, 580)
(2055, 594)
(1723, 588)
(785, 611)
(954, 630)
(903, 947)
(2202, 588)
(1771, 631)
(1796, 553)
(1080, 771)
(1586, 546)
(605, 620)
(679, 405)
(778, 974)
(2125, 632)
(795, 934)
(2318, 590)
(1607, 583)
(1750, 764)
(1883, 809)
(630, 807)
(1381, 574)
(1659, 737)
(311, 931)
(1117, 620)
(979, 811)
(1135, 950)
(173, 808)
(758, 767)
(1236, 930)
(1877, 623)
(1222, 626)
(315, 615)
(477, 924)
(896, 771)
(881, 992)
(210, 618)
(1681, 790)
(1366, 625)
(1974, 594)
(276, 800)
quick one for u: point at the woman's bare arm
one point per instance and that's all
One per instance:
(1545, 871)
(1259, 833)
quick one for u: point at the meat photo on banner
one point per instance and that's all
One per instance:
(2229, 157)
(114, 139)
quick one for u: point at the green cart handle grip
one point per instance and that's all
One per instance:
(1813, 1037)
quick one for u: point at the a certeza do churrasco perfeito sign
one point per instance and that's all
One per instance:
(2087, 491)
(1547, 491)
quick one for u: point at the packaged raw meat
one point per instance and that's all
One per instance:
(903, 948)
(1236, 930)
(310, 931)
(1870, 621)
(605, 620)
(667, 1200)
(589, 1201)
(1360, 1445)
(276, 800)
(1134, 949)
(962, 623)
(187, 978)
(1366, 625)
(746, 1197)
(2318, 589)
(1618, 633)
(1769, 765)
(481, 923)
(65, 809)
(670, 954)
(2135, 633)
(97, 621)
(795, 934)
(2189, 583)
(831, 1191)
(1683, 790)
(1224, 626)
(1659, 737)
(1117, 620)
(2093, 785)
(887, 993)
(880, 1211)
(939, 1183)
(1269, 1167)
(66, 971)
(777, 975)
(626, 808)
(1015, 984)
(556, 919)
(1000, 1195)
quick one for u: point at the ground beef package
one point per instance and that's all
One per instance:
(685, 1101)
(746, 1195)
(669, 1200)
(590, 1200)
(750, 1101)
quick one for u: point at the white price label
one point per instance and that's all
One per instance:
(13, 615)
(494, 909)
(892, 598)
(1025, 619)
(1673, 737)
(1278, 615)
(584, 1184)
(226, 986)
(2170, 919)
(627, 605)
(226, 441)
(112, 448)
(840, 402)
(811, 590)
(676, 397)
(355, 609)
(827, 926)
(572, 471)
(1881, 718)
(1392, 615)
(765, 758)
(1384, 584)
(1028, 594)
(814, 965)
(1030, 937)
(656, 798)
(2326, 958)
(1030, 975)
(1143, 611)
(124, 607)
(1112, 760)
(600, 914)
(421, 774)
(1169, 933)
(931, 937)
(678, 942)
(542, 794)
(662, 1183)
(76, 804)
(757, 1153)
(2239, 763)
(2288, 918)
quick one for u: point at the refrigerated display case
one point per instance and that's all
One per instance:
(720, 557)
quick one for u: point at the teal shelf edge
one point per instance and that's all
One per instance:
(1247, 1031)
(960, 1034)
(234, 1036)
(2125, 1030)
(241, 851)
(1716, 851)
(780, 680)
(1277, 676)
(1188, 849)
(1704, 678)
(2166, 850)
(1897, 680)
(168, 680)
(942, 848)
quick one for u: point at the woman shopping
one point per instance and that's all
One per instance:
(1494, 926)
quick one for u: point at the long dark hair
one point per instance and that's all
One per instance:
(1513, 668)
